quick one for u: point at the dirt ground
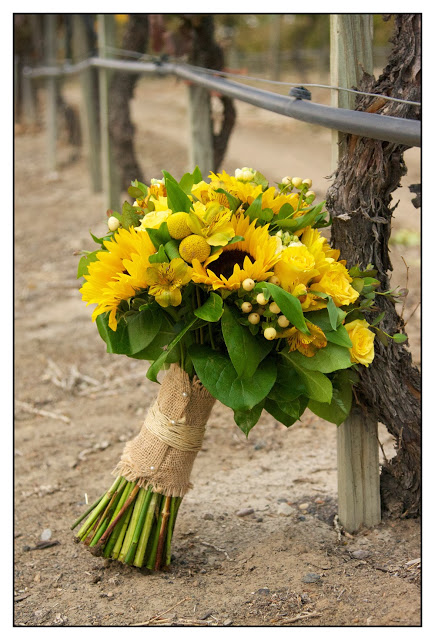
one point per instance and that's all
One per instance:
(284, 563)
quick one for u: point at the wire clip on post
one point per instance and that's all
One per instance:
(300, 93)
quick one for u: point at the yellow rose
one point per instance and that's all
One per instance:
(336, 283)
(362, 338)
(297, 266)
(154, 219)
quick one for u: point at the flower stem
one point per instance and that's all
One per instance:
(120, 539)
(144, 500)
(155, 538)
(121, 512)
(88, 511)
(132, 524)
(108, 547)
(162, 534)
(145, 533)
(99, 508)
(175, 504)
(106, 518)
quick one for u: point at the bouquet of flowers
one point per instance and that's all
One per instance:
(229, 285)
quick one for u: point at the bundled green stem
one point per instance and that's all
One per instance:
(130, 524)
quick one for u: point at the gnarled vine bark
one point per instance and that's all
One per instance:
(360, 203)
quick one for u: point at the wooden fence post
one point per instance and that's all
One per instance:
(89, 113)
(274, 46)
(110, 177)
(357, 438)
(201, 130)
(50, 83)
(28, 95)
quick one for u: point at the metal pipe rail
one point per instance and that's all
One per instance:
(370, 125)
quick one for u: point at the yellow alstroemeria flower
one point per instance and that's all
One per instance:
(206, 193)
(363, 350)
(245, 191)
(166, 279)
(274, 200)
(212, 222)
(308, 345)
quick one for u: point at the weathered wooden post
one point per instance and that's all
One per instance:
(274, 46)
(357, 439)
(30, 114)
(201, 130)
(50, 84)
(88, 105)
(110, 177)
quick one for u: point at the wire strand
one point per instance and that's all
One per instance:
(298, 84)
(146, 56)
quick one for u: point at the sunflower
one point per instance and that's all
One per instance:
(117, 273)
(254, 257)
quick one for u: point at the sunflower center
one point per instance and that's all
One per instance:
(224, 265)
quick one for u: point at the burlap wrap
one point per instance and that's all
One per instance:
(162, 454)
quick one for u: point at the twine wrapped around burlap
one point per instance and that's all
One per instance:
(161, 456)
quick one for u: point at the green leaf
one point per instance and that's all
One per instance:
(197, 175)
(258, 178)
(289, 305)
(99, 240)
(85, 261)
(232, 200)
(341, 402)
(218, 375)
(135, 192)
(171, 249)
(159, 236)
(158, 364)
(318, 386)
(358, 284)
(212, 309)
(378, 319)
(332, 309)
(285, 212)
(275, 410)
(235, 239)
(322, 320)
(340, 337)
(186, 183)
(400, 337)
(254, 210)
(116, 341)
(306, 220)
(246, 420)
(140, 185)
(129, 216)
(177, 199)
(132, 335)
(160, 256)
(245, 351)
(288, 385)
(165, 335)
(326, 360)
(382, 336)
